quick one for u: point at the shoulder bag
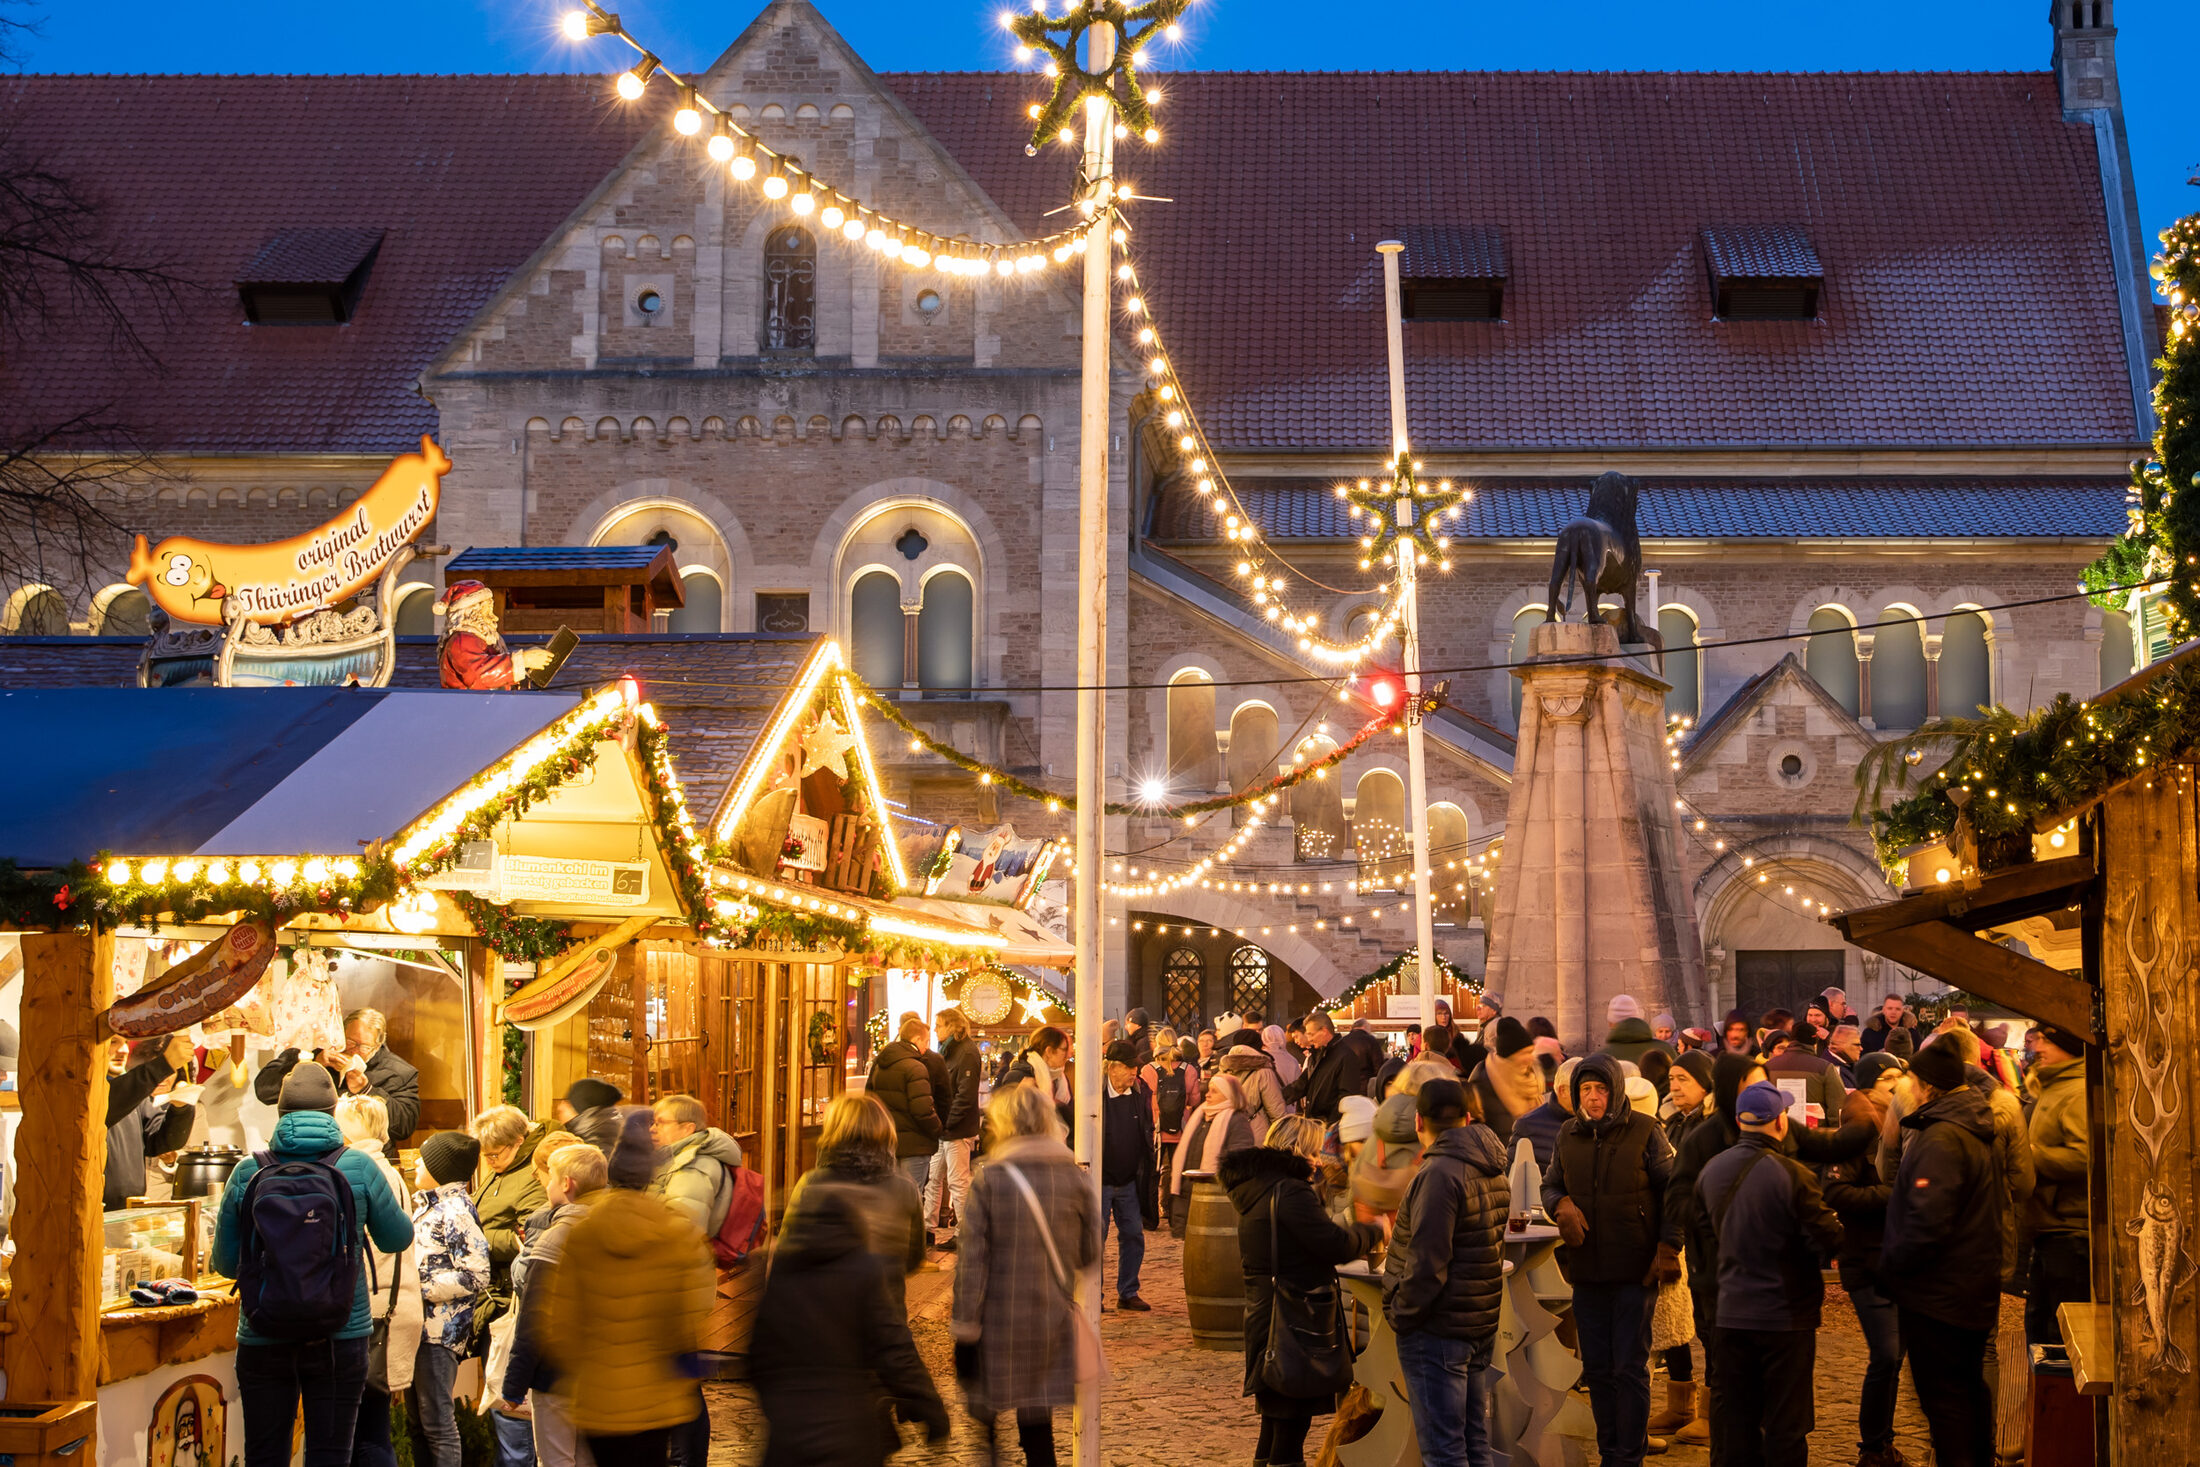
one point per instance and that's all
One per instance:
(1308, 1354)
(1092, 1361)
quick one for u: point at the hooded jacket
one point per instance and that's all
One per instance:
(1541, 1127)
(1876, 1030)
(1771, 1229)
(1615, 1169)
(1268, 1184)
(2012, 1157)
(692, 1175)
(1942, 1249)
(390, 1079)
(1631, 1039)
(886, 1203)
(506, 1200)
(628, 1298)
(832, 1350)
(310, 1135)
(1255, 1072)
(1445, 1274)
(1504, 1096)
(2061, 1149)
(903, 1084)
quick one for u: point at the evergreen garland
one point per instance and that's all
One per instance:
(512, 938)
(1134, 25)
(1388, 973)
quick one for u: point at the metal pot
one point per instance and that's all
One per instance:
(203, 1171)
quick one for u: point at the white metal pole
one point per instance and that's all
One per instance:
(1092, 670)
(1409, 622)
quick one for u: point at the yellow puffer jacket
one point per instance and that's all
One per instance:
(630, 1296)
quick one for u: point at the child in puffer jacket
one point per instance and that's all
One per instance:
(453, 1256)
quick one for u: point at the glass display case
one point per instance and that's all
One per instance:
(144, 1241)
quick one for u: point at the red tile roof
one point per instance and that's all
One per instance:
(1968, 295)
(464, 177)
(310, 257)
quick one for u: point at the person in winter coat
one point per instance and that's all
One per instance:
(1138, 1029)
(140, 1121)
(509, 1193)
(1272, 1188)
(949, 1177)
(394, 1283)
(1892, 1015)
(1278, 1048)
(855, 1155)
(575, 1174)
(1858, 1194)
(1336, 1066)
(1845, 1046)
(1174, 1086)
(1605, 1190)
(1629, 1036)
(274, 1377)
(1248, 1062)
(1221, 1125)
(1508, 1083)
(1126, 1170)
(595, 1117)
(1687, 1104)
(628, 1301)
(1444, 1277)
(1043, 1063)
(1017, 1328)
(365, 1066)
(2061, 1270)
(695, 1166)
(453, 1258)
(1542, 1124)
(832, 1354)
(2012, 1145)
(1772, 1230)
(1792, 1056)
(903, 1084)
(1384, 1164)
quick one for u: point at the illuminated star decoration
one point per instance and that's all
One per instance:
(1035, 1001)
(1402, 508)
(826, 747)
(1072, 83)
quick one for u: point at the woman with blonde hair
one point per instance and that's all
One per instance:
(1030, 1232)
(1285, 1236)
(394, 1282)
(855, 1157)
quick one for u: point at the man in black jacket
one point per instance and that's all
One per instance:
(1772, 1229)
(950, 1175)
(1126, 1169)
(903, 1084)
(139, 1126)
(1334, 1069)
(1941, 1254)
(1605, 1189)
(1445, 1276)
(366, 1065)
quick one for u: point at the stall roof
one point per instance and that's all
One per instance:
(1028, 940)
(242, 771)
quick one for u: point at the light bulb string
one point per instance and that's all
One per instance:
(1008, 257)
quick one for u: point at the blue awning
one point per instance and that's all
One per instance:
(242, 771)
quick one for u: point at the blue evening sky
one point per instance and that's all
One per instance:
(1284, 35)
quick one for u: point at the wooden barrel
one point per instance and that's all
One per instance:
(1214, 1283)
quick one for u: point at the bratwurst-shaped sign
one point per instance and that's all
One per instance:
(191, 579)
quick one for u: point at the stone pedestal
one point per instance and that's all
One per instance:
(1592, 896)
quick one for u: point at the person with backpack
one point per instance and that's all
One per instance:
(291, 1230)
(1175, 1089)
(454, 1281)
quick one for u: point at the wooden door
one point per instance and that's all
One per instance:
(1777, 979)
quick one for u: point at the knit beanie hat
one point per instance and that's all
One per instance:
(1355, 1118)
(634, 1158)
(308, 1086)
(1663, 1021)
(1872, 1066)
(1901, 1043)
(591, 1094)
(1940, 1066)
(1123, 1052)
(1698, 1065)
(1622, 1006)
(1760, 1104)
(1642, 1095)
(450, 1156)
(1441, 1100)
(2062, 1039)
(1512, 1036)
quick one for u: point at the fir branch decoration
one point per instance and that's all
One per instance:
(1388, 973)
(512, 938)
(1134, 25)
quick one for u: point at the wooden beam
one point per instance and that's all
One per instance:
(2054, 883)
(52, 1350)
(2025, 984)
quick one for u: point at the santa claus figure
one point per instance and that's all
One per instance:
(472, 653)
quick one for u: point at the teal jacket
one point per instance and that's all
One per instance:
(306, 1134)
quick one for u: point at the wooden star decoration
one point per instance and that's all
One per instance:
(1404, 510)
(826, 746)
(1072, 82)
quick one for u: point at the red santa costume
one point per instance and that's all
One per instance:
(472, 654)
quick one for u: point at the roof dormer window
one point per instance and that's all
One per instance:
(1452, 273)
(1763, 272)
(308, 277)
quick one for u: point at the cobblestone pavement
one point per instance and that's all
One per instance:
(1172, 1402)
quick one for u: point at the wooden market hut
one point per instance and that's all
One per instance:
(2092, 924)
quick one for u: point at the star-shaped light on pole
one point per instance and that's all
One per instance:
(1118, 82)
(1402, 509)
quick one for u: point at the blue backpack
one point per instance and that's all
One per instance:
(298, 1242)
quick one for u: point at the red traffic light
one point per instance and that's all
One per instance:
(1386, 692)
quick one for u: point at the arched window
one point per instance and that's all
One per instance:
(1184, 989)
(704, 609)
(1966, 674)
(1898, 672)
(1195, 763)
(2116, 651)
(1524, 625)
(943, 636)
(1447, 859)
(1249, 983)
(126, 614)
(790, 290)
(1830, 656)
(1683, 663)
(1317, 807)
(876, 631)
(1253, 747)
(416, 611)
(1379, 824)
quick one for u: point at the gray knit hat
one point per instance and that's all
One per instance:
(308, 1086)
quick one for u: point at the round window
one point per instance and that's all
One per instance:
(649, 302)
(1792, 766)
(929, 302)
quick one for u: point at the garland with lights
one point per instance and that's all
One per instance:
(1404, 513)
(512, 938)
(1388, 973)
(995, 775)
(1118, 84)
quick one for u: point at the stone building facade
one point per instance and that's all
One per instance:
(1859, 387)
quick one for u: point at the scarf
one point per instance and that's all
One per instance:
(1518, 1093)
